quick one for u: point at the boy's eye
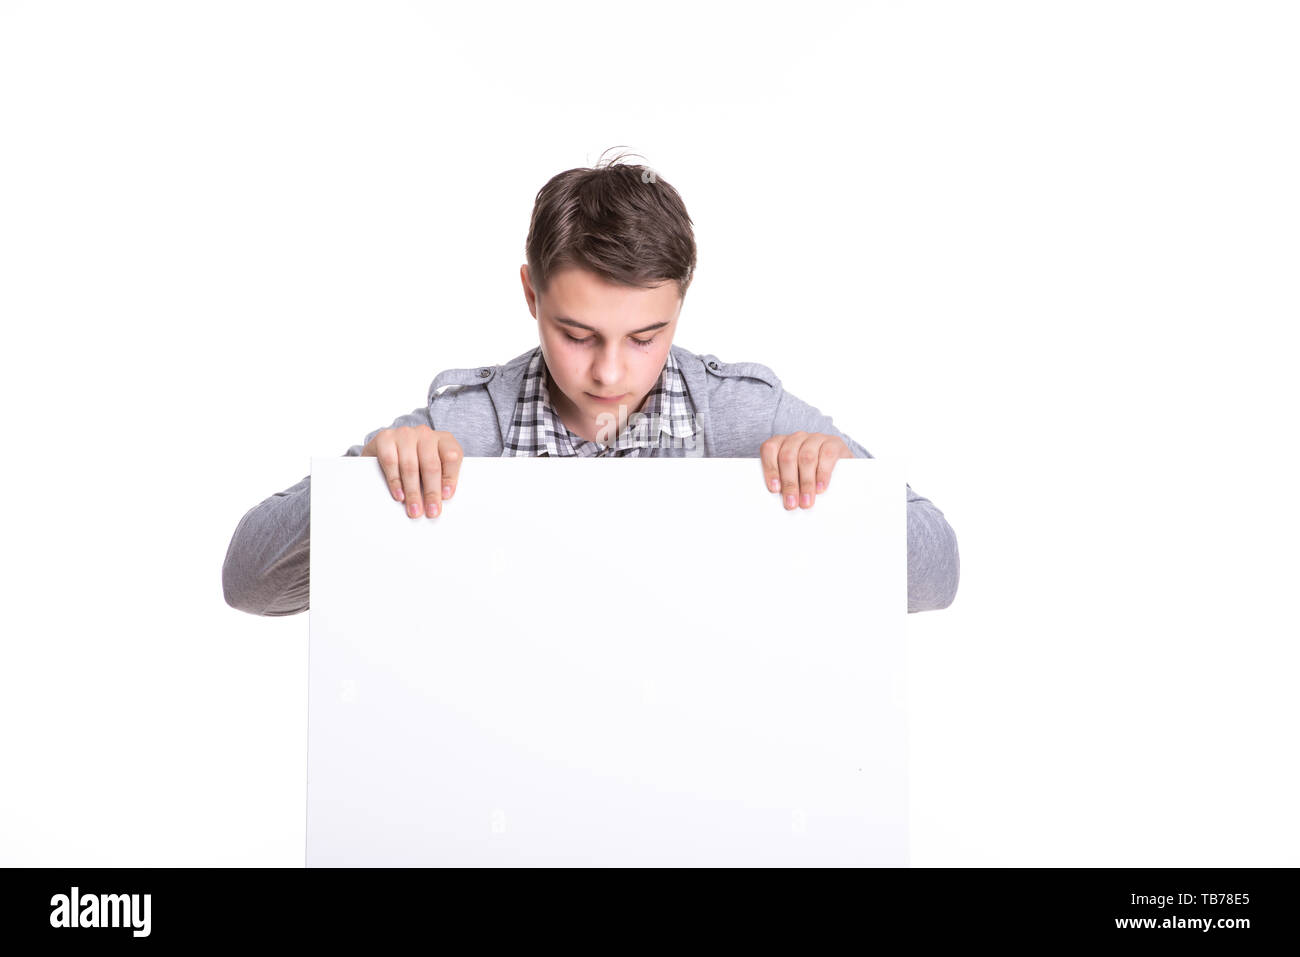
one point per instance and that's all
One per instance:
(640, 342)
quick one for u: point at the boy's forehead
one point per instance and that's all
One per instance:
(583, 297)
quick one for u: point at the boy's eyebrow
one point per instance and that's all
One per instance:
(634, 332)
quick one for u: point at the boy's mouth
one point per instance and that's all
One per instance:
(607, 400)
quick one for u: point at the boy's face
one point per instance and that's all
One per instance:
(623, 334)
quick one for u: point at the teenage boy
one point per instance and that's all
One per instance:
(611, 252)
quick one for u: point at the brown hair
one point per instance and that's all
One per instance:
(618, 220)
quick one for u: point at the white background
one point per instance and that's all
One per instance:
(1043, 254)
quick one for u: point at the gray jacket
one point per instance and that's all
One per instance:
(739, 405)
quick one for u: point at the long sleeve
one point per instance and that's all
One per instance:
(266, 571)
(933, 561)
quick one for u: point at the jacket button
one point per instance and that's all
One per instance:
(713, 365)
(483, 373)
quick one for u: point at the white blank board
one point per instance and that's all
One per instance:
(607, 662)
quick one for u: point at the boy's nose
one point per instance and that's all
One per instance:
(607, 374)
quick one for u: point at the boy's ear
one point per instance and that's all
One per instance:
(530, 296)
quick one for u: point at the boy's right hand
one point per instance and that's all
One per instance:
(420, 464)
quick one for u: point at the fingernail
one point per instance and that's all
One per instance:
(413, 509)
(401, 496)
(774, 485)
(789, 501)
(433, 510)
(807, 500)
(446, 491)
(821, 486)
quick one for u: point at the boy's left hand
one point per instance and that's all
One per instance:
(799, 465)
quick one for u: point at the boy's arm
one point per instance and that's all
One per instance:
(933, 562)
(267, 562)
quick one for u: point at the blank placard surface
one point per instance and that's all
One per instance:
(607, 662)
